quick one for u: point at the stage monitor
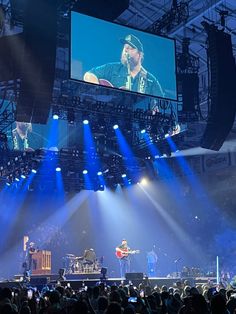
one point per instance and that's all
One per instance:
(120, 57)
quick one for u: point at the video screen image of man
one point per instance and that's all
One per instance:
(129, 73)
(110, 54)
(26, 137)
(20, 135)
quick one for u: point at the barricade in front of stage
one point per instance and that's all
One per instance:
(79, 281)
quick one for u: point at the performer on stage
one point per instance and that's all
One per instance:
(129, 73)
(89, 256)
(30, 251)
(152, 263)
(122, 252)
(88, 259)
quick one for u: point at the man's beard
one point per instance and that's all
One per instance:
(131, 62)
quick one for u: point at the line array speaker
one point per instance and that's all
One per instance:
(222, 89)
(38, 65)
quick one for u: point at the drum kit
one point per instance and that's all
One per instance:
(78, 265)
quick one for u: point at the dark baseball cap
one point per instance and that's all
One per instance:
(133, 41)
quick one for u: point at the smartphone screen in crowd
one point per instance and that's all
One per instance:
(30, 294)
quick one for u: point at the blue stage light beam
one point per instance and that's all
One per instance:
(164, 172)
(60, 187)
(130, 161)
(61, 215)
(92, 161)
(14, 198)
(52, 138)
(191, 176)
(179, 232)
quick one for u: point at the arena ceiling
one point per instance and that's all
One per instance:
(142, 14)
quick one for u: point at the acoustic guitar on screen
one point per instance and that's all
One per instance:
(106, 83)
(123, 253)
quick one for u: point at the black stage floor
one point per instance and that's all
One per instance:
(78, 281)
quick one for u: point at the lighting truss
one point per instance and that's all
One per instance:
(71, 162)
(106, 114)
(178, 14)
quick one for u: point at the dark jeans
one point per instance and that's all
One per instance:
(32, 264)
(152, 269)
(124, 266)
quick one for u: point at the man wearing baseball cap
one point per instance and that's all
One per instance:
(133, 41)
(129, 73)
(124, 259)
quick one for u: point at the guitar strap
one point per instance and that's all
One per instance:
(142, 81)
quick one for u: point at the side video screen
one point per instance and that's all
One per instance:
(120, 57)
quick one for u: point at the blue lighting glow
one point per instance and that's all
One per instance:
(23, 176)
(123, 175)
(115, 127)
(129, 161)
(58, 169)
(143, 131)
(92, 162)
(85, 171)
(34, 171)
(85, 121)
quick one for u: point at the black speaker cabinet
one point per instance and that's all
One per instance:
(134, 276)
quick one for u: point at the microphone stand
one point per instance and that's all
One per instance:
(128, 84)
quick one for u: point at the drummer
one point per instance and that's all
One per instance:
(89, 256)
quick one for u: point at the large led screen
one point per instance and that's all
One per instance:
(116, 56)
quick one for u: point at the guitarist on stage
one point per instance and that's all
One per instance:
(129, 73)
(122, 252)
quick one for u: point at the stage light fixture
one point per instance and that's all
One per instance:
(100, 188)
(85, 121)
(123, 175)
(99, 173)
(55, 116)
(85, 171)
(17, 179)
(23, 176)
(115, 126)
(8, 184)
(143, 181)
(34, 170)
(58, 169)
(143, 131)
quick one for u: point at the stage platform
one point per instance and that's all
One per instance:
(78, 281)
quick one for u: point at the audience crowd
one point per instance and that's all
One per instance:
(122, 299)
